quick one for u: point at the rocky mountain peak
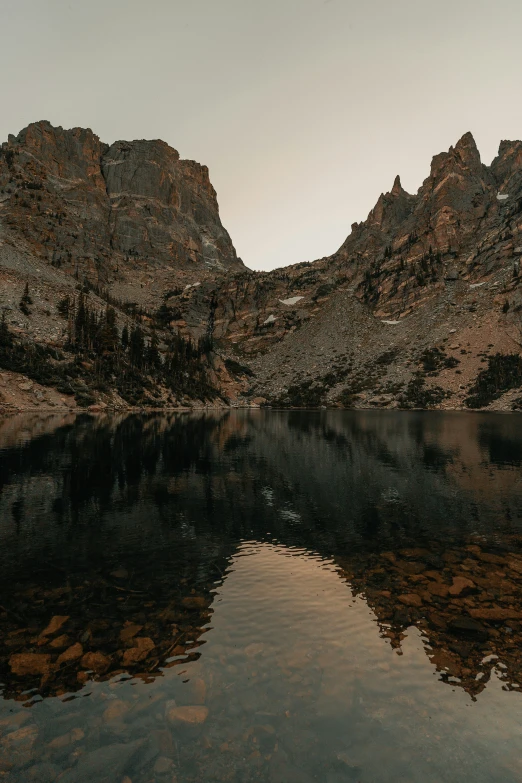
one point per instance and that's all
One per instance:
(461, 160)
(507, 166)
(44, 150)
(90, 208)
(397, 187)
(391, 208)
(467, 149)
(509, 150)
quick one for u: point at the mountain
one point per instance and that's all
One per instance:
(419, 307)
(411, 311)
(119, 224)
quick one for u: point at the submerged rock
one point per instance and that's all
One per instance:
(194, 602)
(30, 663)
(73, 653)
(460, 585)
(97, 661)
(55, 624)
(143, 646)
(496, 614)
(103, 765)
(18, 746)
(191, 715)
(410, 599)
(115, 710)
(130, 631)
(467, 625)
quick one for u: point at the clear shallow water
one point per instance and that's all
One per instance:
(297, 579)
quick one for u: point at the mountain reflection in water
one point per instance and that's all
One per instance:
(260, 596)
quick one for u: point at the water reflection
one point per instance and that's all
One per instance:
(261, 596)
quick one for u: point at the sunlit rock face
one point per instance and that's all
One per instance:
(130, 224)
(92, 208)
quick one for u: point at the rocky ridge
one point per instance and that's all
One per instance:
(413, 310)
(427, 287)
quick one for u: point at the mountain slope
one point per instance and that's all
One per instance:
(410, 309)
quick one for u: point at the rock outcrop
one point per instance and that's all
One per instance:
(123, 224)
(101, 211)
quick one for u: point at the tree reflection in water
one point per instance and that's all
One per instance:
(116, 534)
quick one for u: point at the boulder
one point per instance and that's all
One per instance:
(191, 715)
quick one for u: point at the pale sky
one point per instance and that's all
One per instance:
(303, 110)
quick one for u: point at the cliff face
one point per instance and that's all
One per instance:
(84, 225)
(101, 211)
(455, 227)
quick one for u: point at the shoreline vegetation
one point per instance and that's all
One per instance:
(113, 410)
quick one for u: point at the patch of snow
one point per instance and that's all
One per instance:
(192, 285)
(452, 331)
(502, 196)
(269, 320)
(477, 285)
(291, 301)
(390, 323)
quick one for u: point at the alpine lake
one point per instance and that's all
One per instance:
(279, 596)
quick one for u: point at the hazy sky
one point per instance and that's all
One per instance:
(303, 110)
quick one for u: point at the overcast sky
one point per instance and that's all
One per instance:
(303, 110)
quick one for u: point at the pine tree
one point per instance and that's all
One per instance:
(107, 337)
(205, 345)
(92, 328)
(6, 338)
(63, 307)
(25, 301)
(153, 355)
(125, 337)
(137, 347)
(81, 322)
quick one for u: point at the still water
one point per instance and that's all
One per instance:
(261, 596)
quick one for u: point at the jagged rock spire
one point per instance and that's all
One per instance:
(467, 149)
(397, 187)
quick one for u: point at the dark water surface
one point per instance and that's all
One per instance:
(261, 596)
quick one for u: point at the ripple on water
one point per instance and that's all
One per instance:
(282, 588)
